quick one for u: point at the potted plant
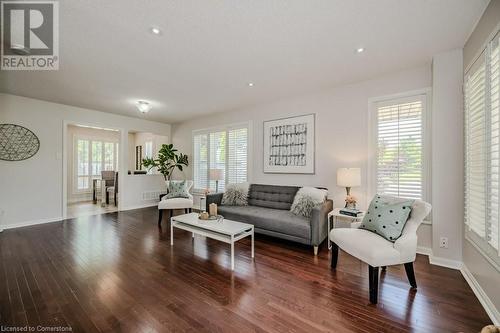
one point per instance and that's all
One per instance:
(168, 160)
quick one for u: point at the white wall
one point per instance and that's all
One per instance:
(37, 183)
(341, 131)
(447, 154)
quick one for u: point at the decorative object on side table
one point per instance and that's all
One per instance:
(289, 145)
(168, 160)
(17, 143)
(216, 174)
(349, 177)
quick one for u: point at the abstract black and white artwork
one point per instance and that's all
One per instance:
(289, 145)
(17, 143)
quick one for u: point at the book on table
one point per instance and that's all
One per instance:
(350, 212)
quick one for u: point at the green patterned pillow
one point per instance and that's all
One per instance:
(177, 189)
(386, 217)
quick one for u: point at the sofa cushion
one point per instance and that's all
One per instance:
(282, 221)
(272, 196)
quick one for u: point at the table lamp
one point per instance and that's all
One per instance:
(216, 174)
(348, 177)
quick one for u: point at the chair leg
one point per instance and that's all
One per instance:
(107, 198)
(335, 255)
(373, 283)
(410, 273)
(160, 216)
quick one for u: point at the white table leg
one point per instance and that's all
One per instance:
(232, 253)
(253, 251)
(171, 232)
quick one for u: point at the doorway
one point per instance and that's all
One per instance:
(91, 182)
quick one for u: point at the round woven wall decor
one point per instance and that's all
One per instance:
(17, 143)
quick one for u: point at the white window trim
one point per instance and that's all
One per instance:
(470, 236)
(74, 178)
(228, 127)
(427, 144)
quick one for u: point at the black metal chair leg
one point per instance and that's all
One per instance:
(410, 273)
(160, 216)
(335, 255)
(373, 283)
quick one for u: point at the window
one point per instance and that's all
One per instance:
(225, 149)
(400, 146)
(92, 157)
(482, 159)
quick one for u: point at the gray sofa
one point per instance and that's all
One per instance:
(269, 211)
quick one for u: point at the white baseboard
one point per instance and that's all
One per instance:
(30, 223)
(424, 250)
(481, 295)
(145, 205)
(444, 262)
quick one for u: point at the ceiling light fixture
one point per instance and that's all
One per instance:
(143, 106)
(250, 84)
(155, 31)
(360, 50)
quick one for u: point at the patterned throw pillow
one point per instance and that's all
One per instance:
(235, 195)
(306, 199)
(386, 217)
(177, 189)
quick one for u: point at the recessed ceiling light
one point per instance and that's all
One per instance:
(155, 31)
(143, 106)
(250, 84)
(360, 50)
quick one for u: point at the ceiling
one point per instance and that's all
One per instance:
(209, 51)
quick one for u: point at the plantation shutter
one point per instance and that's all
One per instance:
(482, 155)
(494, 87)
(475, 149)
(237, 155)
(400, 147)
(200, 161)
(218, 157)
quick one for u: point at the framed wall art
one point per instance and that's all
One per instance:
(289, 145)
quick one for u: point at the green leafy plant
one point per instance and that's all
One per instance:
(168, 160)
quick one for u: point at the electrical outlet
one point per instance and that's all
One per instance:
(443, 242)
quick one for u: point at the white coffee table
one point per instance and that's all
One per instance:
(226, 231)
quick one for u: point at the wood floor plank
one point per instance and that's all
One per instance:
(117, 272)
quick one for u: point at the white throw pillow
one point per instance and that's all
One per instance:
(236, 195)
(306, 199)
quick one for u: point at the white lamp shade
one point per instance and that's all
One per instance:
(349, 177)
(216, 174)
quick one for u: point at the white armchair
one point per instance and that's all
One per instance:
(377, 252)
(175, 203)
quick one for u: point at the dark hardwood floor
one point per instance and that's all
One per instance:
(118, 272)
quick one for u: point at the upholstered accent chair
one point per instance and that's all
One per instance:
(175, 203)
(377, 252)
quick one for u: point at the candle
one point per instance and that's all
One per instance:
(212, 209)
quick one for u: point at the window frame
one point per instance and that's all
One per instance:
(481, 244)
(373, 104)
(91, 139)
(224, 128)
